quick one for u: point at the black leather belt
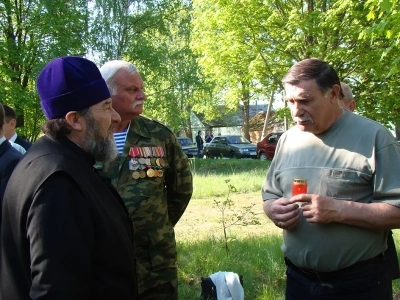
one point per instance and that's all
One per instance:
(330, 276)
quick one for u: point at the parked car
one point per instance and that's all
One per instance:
(266, 147)
(232, 146)
(188, 146)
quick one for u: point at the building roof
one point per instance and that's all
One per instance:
(235, 118)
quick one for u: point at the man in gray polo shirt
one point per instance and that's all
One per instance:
(333, 243)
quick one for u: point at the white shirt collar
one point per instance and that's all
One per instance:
(18, 147)
(12, 139)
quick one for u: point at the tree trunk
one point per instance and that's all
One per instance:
(286, 122)
(246, 117)
(188, 128)
(264, 132)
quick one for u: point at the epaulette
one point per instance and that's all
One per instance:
(158, 122)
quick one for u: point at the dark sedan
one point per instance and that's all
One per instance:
(188, 146)
(232, 146)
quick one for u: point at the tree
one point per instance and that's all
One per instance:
(226, 57)
(176, 87)
(270, 36)
(385, 26)
(34, 32)
(155, 36)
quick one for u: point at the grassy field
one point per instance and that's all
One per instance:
(247, 175)
(254, 250)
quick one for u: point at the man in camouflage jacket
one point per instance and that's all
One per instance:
(153, 177)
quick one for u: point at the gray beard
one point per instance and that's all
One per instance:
(103, 149)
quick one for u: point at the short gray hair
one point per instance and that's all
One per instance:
(347, 93)
(110, 68)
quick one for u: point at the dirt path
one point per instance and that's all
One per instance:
(202, 219)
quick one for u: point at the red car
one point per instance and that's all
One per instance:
(266, 147)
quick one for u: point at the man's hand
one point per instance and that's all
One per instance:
(317, 208)
(284, 214)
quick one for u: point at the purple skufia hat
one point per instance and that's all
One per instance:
(70, 83)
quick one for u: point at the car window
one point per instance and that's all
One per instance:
(185, 142)
(274, 138)
(215, 140)
(231, 140)
(237, 140)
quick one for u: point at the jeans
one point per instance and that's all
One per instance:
(199, 148)
(369, 282)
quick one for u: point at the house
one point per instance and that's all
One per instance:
(232, 123)
(257, 124)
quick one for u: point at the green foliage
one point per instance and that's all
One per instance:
(231, 215)
(269, 36)
(205, 56)
(155, 36)
(283, 113)
(33, 33)
(227, 54)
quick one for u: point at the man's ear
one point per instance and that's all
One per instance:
(352, 105)
(13, 123)
(75, 120)
(334, 93)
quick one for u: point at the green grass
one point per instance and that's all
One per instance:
(254, 250)
(256, 259)
(247, 175)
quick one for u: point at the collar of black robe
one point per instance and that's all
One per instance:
(75, 148)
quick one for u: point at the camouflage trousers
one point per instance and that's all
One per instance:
(165, 291)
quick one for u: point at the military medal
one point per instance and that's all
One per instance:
(133, 164)
(134, 152)
(147, 154)
(162, 162)
(150, 172)
(147, 162)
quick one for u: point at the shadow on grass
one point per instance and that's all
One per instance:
(258, 259)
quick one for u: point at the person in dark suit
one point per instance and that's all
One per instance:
(9, 128)
(209, 136)
(9, 157)
(199, 142)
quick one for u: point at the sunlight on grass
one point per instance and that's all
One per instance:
(209, 176)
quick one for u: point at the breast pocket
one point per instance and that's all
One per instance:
(343, 184)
